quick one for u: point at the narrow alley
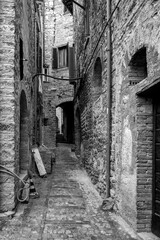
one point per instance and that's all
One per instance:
(68, 208)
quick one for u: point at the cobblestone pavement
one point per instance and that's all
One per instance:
(68, 208)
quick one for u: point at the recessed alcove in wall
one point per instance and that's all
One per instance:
(97, 79)
(137, 69)
(24, 136)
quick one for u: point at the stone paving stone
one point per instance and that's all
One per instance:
(67, 214)
(75, 231)
(66, 202)
(64, 210)
(65, 191)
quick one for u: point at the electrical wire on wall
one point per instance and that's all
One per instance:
(100, 37)
(56, 78)
(26, 184)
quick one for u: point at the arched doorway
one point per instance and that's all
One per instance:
(65, 115)
(24, 134)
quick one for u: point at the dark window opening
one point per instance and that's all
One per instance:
(97, 79)
(24, 154)
(45, 121)
(21, 58)
(46, 73)
(138, 67)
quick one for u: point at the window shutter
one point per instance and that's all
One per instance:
(54, 59)
(71, 63)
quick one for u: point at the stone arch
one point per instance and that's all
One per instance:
(97, 79)
(66, 117)
(59, 102)
(24, 134)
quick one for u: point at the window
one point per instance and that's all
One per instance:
(21, 58)
(46, 73)
(60, 57)
(63, 57)
(137, 69)
(45, 122)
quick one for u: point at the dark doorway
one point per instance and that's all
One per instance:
(156, 169)
(65, 132)
(152, 93)
(24, 135)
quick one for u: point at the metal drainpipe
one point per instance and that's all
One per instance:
(109, 70)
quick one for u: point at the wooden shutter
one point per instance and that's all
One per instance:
(71, 63)
(54, 59)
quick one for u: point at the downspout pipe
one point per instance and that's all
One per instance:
(35, 85)
(109, 99)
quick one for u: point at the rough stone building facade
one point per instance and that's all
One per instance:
(20, 44)
(58, 48)
(28, 102)
(135, 142)
(117, 103)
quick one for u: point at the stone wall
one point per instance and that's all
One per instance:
(7, 124)
(135, 57)
(135, 27)
(49, 28)
(91, 100)
(58, 33)
(17, 42)
(49, 124)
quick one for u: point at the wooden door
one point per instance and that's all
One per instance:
(156, 170)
